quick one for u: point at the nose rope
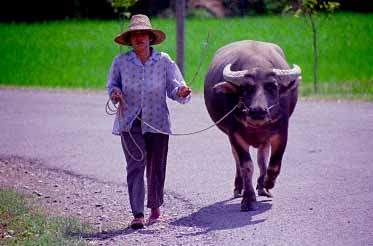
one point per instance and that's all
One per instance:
(269, 112)
(241, 103)
(247, 109)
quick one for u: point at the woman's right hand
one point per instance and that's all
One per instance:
(116, 95)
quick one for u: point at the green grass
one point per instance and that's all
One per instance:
(23, 225)
(78, 54)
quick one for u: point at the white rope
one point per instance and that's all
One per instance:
(188, 133)
(111, 111)
(137, 146)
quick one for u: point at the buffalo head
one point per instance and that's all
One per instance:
(259, 91)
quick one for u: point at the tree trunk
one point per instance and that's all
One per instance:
(180, 23)
(122, 18)
(315, 53)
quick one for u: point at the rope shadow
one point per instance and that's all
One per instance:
(108, 234)
(100, 236)
(222, 216)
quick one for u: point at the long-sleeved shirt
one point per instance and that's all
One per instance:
(144, 88)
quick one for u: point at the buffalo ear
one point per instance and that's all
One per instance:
(290, 84)
(225, 88)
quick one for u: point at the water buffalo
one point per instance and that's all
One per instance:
(254, 79)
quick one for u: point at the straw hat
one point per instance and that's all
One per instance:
(140, 22)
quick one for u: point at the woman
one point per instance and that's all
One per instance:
(139, 80)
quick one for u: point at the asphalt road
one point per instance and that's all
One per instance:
(324, 194)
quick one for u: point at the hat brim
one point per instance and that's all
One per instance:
(124, 38)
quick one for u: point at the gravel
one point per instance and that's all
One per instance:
(103, 205)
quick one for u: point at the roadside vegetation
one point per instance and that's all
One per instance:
(78, 53)
(24, 225)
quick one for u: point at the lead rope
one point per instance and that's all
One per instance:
(189, 133)
(111, 111)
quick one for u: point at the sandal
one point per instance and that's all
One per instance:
(152, 220)
(137, 223)
(158, 219)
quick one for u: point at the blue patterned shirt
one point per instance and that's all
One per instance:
(144, 88)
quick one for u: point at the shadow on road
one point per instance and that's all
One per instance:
(222, 215)
(104, 235)
(108, 234)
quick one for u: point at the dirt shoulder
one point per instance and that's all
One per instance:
(103, 205)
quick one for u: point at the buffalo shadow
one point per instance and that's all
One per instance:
(222, 215)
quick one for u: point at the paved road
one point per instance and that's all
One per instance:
(324, 195)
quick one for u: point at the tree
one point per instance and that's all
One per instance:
(311, 9)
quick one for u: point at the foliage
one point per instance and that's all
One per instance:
(313, 7)
(121, 6)
(275, 6)
(254, 7)
(244, 7)
(42, 10)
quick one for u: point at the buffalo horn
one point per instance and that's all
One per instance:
(292, 73)
(234, 77)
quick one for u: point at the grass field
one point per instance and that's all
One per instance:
(78, 53)
(21, 224)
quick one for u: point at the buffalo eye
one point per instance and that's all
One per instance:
(270, 88)
(249, 89)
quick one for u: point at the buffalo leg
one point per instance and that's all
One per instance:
(278, 145)
(263, 154)
(246, 168)
(238, 182)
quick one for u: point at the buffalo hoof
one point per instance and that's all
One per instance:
(237, 193)
(248, 205)
(264, 192)
(269, 183)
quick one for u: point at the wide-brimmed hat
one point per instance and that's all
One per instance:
(140, 23)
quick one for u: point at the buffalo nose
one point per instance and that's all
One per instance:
(257, 113)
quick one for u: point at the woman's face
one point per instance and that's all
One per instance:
(140, 40)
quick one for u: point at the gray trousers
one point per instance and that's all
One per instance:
(154, 147)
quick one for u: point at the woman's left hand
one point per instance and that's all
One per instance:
(183, 91)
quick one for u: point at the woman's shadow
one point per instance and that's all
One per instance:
(223, 215)
(218, 216)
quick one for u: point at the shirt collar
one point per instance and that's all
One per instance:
(154, 57)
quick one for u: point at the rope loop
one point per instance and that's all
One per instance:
(109, 110)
